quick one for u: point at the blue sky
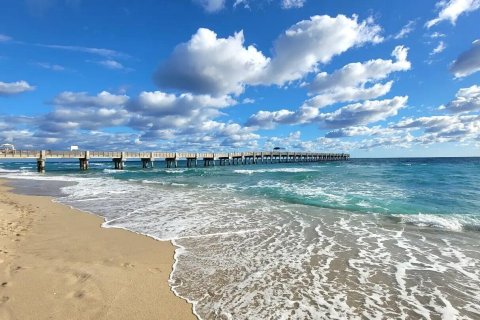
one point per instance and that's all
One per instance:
(373, 78)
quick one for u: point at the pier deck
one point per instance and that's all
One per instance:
(171, 158)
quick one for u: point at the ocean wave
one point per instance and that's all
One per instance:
(287, 170)
(452, 222)
(175, 170)
(2, 170)
(113, 171)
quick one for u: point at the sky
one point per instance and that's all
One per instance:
(372, 78)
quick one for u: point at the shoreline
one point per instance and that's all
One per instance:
(57, 262)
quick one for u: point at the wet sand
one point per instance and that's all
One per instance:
(58, 263)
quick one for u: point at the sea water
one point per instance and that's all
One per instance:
(364, 238)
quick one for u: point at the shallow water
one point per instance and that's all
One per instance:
(367, 238)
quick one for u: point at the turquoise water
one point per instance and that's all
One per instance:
(444, 186)
(375, 238)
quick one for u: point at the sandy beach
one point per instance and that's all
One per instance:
(58, 263)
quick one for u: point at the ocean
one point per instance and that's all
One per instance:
(357, 239)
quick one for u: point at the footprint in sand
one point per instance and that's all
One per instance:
(127, 265)
(79, 294)
(155, 270)
(4, 299)
(82, 276)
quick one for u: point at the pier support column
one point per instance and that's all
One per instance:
(83, 164)
(41, 161)
(84, 161)
(207, 162)
(41, 165)
(147, 163)
(171, 162)
(119, 163)
(223, 161)
(191, 162)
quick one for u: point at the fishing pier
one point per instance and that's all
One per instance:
(171, 158)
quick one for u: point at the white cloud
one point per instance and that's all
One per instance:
(303, 46)
(468, 62)
(269, 119)
(64, 119)
(466, 100)
(11, 88)
(348, 94)
(108, 53)
(4, 38)
(78, 110)
(207, 64)
(211, 5)
(349, 83)
(369, 111)
(82, 99)
(397, 141)
(438, 129)
(436, 35)
(50, 66)
(452, 9)
(111, 64)
(185, 120)
(211, 65)
(244, 3)
(360, 131)
(160, 104)
(407, 29)
(289, 4)
(439, 48)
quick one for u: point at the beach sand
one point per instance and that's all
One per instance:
(58, 263)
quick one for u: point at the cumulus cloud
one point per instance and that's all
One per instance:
(161, 104)
(289, 4)
(78, 110)
(448, 128)
(207, 64)
(349, 83)
(211, 6)
(12, 88)
(466, 100)
(307, 43)
(90, 118)
(406, 30)
(349, 94)
(82, 99)
(185, 120)
(452, 9)
(210, 65)
(369, 111)
(360, 131)
(468, 62)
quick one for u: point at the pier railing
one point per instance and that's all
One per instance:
(171, 158)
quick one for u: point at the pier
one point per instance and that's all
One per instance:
(171, 158)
